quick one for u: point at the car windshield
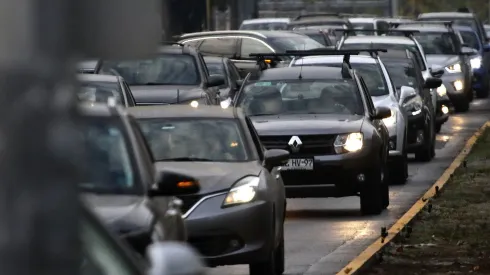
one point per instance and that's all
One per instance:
(195, 139)
(301, 97)
(299, 42)
(371, 73)
(100, 92)
(269, 26)
(401, 73)
(216, 67)
(457, 22)
(318, 37)
(162, 69)
(109, 162)
(471, 39)
(437, 42)
(363, 26)
(331, 29)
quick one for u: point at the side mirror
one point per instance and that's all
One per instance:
(432, 83)
(406, 93)
(215, 80)
(174, 258)
(436, 71)
(173, 183)
(382, 112)
(468, 51)
(486, 47)
(239, 83)
(275, 157)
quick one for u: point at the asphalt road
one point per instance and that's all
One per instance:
(323, 235)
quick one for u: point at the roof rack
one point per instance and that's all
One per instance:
(407, 33)
(447, 24)
(311, 15)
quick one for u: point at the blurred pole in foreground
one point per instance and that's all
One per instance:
(40, 146)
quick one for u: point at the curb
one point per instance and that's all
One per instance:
(369, 255)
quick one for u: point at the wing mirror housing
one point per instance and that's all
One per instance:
(216, 80)
(432, 83)
(174, 258)
(275, 157)
(382, 112)
(468, 51)
(239, 83)
(406, 93)
(436, 71)
(173, 183)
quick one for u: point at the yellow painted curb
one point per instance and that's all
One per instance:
(370, 252)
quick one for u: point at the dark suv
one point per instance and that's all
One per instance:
(174, 74)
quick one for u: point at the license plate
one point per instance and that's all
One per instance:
(298, 164)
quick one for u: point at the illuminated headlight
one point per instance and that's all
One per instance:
(244, 191)
(458, 85)
(390, 121)
(441, 90)
(194, 104)
(475, 62)
(413, 106)
(346, 143)
(225, 103)
(455, 68)
(444, 109)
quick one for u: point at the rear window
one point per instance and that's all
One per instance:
(100, 92)
(299, 42)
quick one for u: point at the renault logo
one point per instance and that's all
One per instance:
(295, 143)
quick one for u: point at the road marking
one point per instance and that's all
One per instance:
(362, 261)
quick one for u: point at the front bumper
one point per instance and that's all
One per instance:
(442, 117)
(232, 235)
(332, 175)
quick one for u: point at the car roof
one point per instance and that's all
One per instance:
(266, 20)
(379, 39)
(184, 111)
(307, 72)
(213, 59)
(307, 60)
(457, 15)
(425, 27)
(97, 78)
(323, 20)
(262, 34)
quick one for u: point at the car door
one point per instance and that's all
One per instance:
(248, 45)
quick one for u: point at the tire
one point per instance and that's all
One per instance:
(399, 171)
(371, 193)
(462, 105)
(275, 262)
(280, 260)
(427, 152)
(482, 93)
(438, 128)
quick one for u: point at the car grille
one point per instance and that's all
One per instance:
(312, 145)
(188, 202)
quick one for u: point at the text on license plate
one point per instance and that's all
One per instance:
(299, 164)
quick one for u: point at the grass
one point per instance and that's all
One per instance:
(454, 237)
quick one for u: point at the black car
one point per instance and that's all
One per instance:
(238, 216)
(99, 88)
(320, 19)
(238, 45)
(223, 66)
(416, 99)
(320, 36)
(121, 183)
(174, 74)
(327, 120)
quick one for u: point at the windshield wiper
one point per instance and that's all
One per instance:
(186, 159)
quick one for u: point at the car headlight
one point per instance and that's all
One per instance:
(455, 68)
(475, 62)
(390, 121)
(441, 90)
(458, 85)
(413, 106)
(225, 103)
(346, 143)
(243, 191)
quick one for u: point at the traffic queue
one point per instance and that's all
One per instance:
(205, 140)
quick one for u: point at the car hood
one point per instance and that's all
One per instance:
(165, 94)
(307, 124)
(213, 176)
(121, 213)
(441, 60)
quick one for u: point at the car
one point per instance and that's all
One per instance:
(122, 185)
(87, 66)
(237, 45)
(99, 88)
(383, 93)
(443, 49)
(360, 23)
(394, 41)
(238, 216)
(170, 258)
(415, 97)
(481, 69)
(174, 74)
(326, 118)
(321, 36)
(266, 24)
(328, 30)
(319, 19)
(223, 66)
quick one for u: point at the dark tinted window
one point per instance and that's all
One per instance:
(438, 42)
(219, 46)
(402, 74)
(250, 45)
(216, 67)
(92, 91)
(163, 69)
(318, 37)
(470, 38)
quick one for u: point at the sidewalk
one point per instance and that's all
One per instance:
(452, 235)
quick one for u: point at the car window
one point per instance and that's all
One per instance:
(318, 37)
(218, 140)
(363, 26)
(161, 69)
(269, 26)
(298, 42)
(252, 46)
(438, 42)
(233, 71)
(219, 46)
(402, 74)
(193, 43)
(130, 97)
(301, 97)
(255, 138)
(217, 67)
(100, 92)
(369, 101)
(470, 38)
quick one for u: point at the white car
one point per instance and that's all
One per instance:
(383, 93)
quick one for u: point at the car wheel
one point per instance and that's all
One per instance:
(483, 92)
(280, 260)
(371, 198)
(385, 190)
(399, 170)
(461, 105)
(426, 153)
(275, 262)
(438, 127)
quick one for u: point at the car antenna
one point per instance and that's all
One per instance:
(300, 76)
